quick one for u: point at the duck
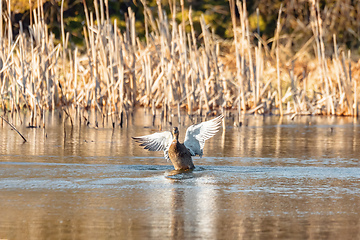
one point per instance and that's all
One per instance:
(180, 154)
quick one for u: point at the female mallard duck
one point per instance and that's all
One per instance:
(180, 153)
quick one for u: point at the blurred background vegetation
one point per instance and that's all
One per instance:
(339, 17)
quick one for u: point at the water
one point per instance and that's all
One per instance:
(268, 179)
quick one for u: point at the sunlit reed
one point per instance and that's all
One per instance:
(171, 69)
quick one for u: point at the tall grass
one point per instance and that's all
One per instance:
(171, 69)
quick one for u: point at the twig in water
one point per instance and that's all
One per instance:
(12, 126)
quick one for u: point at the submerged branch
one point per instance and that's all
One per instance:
(13, 127)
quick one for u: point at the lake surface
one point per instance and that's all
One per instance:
(270, 178)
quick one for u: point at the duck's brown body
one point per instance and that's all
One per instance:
(179, 155)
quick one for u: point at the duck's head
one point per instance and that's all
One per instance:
(175, 133)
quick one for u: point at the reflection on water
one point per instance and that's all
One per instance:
(268, 179)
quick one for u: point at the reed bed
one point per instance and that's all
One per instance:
(172, 69)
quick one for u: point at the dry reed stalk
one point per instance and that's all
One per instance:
(316, 24)
(132, 43)
(63, 37)
(241, 57)
(10, 36)
(251, 68)
(351, 85)
(206, 64)
(337, 68)
(355, 114)
(278, 29)
(347, 85)
(171, 69)
(239, 76)
(259, 72)
(193, 55)
(1, 23)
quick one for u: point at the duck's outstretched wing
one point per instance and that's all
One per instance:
(156, 142)
(196, 135)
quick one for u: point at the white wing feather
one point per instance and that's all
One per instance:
(156, 142)
(196, 135)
